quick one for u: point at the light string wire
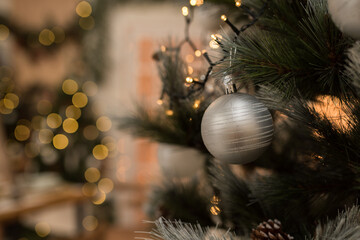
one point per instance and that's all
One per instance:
(198, 86)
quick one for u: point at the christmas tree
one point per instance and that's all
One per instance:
(281, 148)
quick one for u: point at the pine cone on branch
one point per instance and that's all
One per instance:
(270, 230)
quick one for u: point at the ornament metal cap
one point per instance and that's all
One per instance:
(230, 86)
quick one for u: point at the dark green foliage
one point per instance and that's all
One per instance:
(296, 49)
(176, 200)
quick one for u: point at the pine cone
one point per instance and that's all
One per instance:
(270, 230)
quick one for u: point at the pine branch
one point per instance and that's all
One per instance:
(353, 66)
(177, 230)
(345, 226)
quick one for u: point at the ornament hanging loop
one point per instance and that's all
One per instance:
(230, 86)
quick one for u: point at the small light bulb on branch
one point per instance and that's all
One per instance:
(198, 53)
(223, 17)
(196, 104)
(193, 3)
(189, 79)
(169, 112)
(213, 36)
(185, 11)
(159, 102)
(238, 3)
(163, 48)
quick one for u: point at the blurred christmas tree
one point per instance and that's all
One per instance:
(300, 165)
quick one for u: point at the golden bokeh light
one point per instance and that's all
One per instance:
(196, 104)
(99, 198)
(46, 37)
(32, 150)
(213, 44)
(8, 104)
(91, 132)
(59, 34)
(54, 120)
(42, 229)
(70, 86)
(60, 141)
(73, 112)
(90, 223)
(37, 122)
(92, 175)
(87, 23)
(198, 53)
(13, 98)
(189, 58)
(70, 125)
(4, 32)
(45, 136)
(44, 107)
(100, 152)
(238, 3)
(3, 109)
(90, 88)
(89, 189)
(83, 9)
(103, 124)
(193, 3)
(105, 185)
(159, 102)
(22, 133)
(79, 100)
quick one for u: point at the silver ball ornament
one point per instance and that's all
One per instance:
(237, 128)
(346, 16)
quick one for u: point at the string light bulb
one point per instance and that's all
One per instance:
(196, 104)
(223, 17)
(238, 3)
(193, 3)
(169, 112)
(197, 53)
(185, 11)
(189, 80)
(159, 102)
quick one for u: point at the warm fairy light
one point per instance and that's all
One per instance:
(44, 107)
(8, 104)
(73, 112)
(103, 124)
(99, 199)
(190, 70)
(89, 189)
(223, 17)
(4, 32)
(238, 3)
(83, 9)
(70, 125)
(193, 2)
(79, 100)
(92, 175)
(213, 44)
(22, 133)
(105, 185)
(46, 37)
(169, 112)
(213, 36)
(215, 200)
(45, 136)
(90, 223)
(70, 87)
(54, 120)
(90, 132)
(42, 229)
(59, 34)
(189, 58)
(196, 104)
(13, 98)
(100, 152)
(159, 102)
(199, 2)
(198, 53)
(90, 88)
(185, 11)
(31, 150)
(189, 80)
(87, 23)
(163, 48)
(215, 210)
(60, 141)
